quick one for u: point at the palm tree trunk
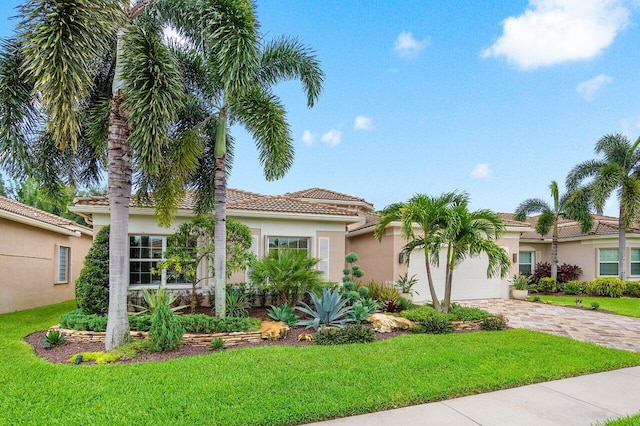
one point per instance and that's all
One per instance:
(622, 247)
(220, 232)
(119, 172)
(554, 252)
(448, 280)
(432, 289)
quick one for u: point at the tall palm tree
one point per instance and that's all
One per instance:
(247, 101)
(421, 219)
(96, 76)
(549, 217)
(470, 234)
(593, 182)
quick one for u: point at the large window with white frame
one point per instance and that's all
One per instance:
(526, 261)
(144, 253)
(608, 261)
(635, 262)
(294, 243)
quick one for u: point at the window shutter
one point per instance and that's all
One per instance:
(323, 255)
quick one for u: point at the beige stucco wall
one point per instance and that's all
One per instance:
(27, 266)
(378, 259)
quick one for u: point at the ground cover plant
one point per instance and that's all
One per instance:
(179, 391)
(629, 307)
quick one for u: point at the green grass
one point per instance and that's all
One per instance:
(629, 307)
(625, 421)
(275, 385)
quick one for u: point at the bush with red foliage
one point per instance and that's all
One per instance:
(566, 272)
(542, 270)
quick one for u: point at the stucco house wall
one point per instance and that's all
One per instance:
(29, 264)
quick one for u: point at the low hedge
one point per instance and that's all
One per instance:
(606, 286)
(192, 323)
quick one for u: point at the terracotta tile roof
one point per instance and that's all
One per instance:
(510, 221)
(567, 228)
(187, 203)
(12, 206)
(248, 201)
(370, 221)
(324, 194)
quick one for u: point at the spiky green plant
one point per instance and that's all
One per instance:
(283, 313)
(329, 310)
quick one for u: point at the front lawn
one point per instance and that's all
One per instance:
(629, 307)
(275, 385)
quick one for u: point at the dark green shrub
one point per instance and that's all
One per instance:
(405, 304)
(237, 305)
(283, 313)
(438, 323)
(466, 313)
(594, 306)
(92, 285)
(78, 320)
(417, 329)
(606, 286)
(355, 333)
(363, 291)
(547, 285)
(166, 330)
(632, 289)
(572, 288)
(140, 322)
(201, 323)
(494, 323)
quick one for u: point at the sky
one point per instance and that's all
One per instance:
(489, 97)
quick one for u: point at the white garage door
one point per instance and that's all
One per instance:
(469, 279)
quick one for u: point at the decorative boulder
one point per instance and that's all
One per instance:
(274, 330)
(386, 323)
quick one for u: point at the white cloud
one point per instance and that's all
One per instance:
(363, 123)
(481, 171)
(406, 45)
(554, 31)
(308, 138)
(332, 137)
(630, 127)
(588, 89)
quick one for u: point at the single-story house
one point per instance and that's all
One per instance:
(596, 251)
(329, 224)
(41, 256)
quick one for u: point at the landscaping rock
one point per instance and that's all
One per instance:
(386, 323)
(274, 330)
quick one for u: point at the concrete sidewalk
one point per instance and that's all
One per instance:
(583, 400)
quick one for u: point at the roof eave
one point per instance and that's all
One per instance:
(39, 224)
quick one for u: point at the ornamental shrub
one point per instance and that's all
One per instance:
(568, 272)
(92, 285)
(419, 314)
(166, 330)
(573, 287)
(542, 270)
(632, 289)
(547, 285)
(606, 286)
(78, 320)
(438, 323)
(355, 333)
(467, 313)
(494, 323)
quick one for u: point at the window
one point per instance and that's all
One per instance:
(526, 263)
(635, 261)
(295, 243)
(608, 261)
(144, 253)
(63, 264)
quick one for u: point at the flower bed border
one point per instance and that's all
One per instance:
(192, 339)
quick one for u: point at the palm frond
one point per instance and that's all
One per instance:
(530, 206)
(391, 213)
(604, 184)
(630, 201)
(263, 115)
(581, 172)
(578, 207)
(61, 41)
(545, 222)
(287, 58)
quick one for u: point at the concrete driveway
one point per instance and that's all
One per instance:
(613, 331)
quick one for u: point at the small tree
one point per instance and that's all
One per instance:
(352, 272)
(193, 243)
(92, 285)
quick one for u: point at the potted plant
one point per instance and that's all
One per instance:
(520, 284)
(405, 284)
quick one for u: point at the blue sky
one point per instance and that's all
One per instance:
(491, 97)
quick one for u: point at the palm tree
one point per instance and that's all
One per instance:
(592, 182)
(96, 76)
(249, 102)
(430, 215)
(549, 217)
(470, 234)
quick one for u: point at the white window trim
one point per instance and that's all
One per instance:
(609, 262)
(163, 276)
(533, 260)
(632, 262)
(56, 269)
(310, 248)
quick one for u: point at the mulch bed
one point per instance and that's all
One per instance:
(61, 354)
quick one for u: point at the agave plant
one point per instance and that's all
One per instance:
(283, 313)
(155, 298)
(330, 310)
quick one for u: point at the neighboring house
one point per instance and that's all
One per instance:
(275, 222)
(41, 255)
(596, 251)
